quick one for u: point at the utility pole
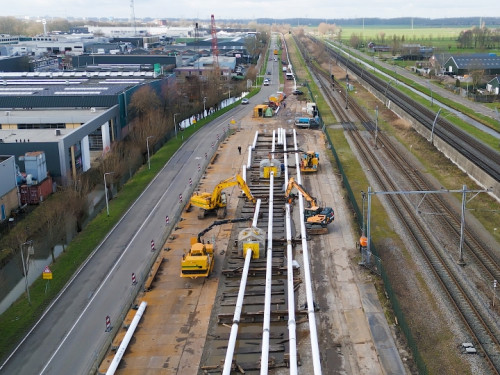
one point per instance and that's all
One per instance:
(346, 90)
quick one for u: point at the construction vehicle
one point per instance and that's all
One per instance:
(309, 161)
(217, 200)
(316, 218)
(200, 260)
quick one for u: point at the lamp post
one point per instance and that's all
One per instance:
(204, 109)
(147, 146)
(346, 91)
(106, 191)
(26, 266)
(175, 126)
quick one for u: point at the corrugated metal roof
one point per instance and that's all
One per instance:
(477, 61)
(76, 89)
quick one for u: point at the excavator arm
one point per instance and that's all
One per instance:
(243, 186)
(220, 222)
(216, 194)
(293, 184)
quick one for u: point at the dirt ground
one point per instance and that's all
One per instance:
(171, 334)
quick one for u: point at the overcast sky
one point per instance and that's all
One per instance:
(251, 9)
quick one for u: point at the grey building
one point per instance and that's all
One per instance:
(68, 115)
(464, 64)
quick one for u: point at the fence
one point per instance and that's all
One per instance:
(398, 312)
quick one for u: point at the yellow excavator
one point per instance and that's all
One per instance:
(200, 260)
(317, 218)
(216, 201)
(309, 161)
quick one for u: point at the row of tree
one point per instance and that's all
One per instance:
(479, 37)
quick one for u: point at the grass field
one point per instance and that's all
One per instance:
(443, 39)
(422, 34)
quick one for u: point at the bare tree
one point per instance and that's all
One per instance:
(143, 100)
(477, 76)
(354, 40)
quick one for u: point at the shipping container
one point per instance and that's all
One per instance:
(34, 194)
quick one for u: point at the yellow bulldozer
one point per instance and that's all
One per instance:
(200, 260)
(216, 201)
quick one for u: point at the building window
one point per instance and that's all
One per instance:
(41, 126)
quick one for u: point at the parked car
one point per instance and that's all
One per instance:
(268, 73)
(297, 92)
(245, 101)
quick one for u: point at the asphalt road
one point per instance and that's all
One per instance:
(70, 335)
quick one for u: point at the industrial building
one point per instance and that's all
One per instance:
(67, 115)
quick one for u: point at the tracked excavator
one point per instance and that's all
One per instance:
(316, 218)
(200, 260)
(216, 201)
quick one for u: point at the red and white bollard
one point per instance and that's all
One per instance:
(167, 220)
(212, 145)
(134, 280)
(199, 167)
(152, 245)
(180, 198)
(190, 181)
(108, 324)
(206, 156)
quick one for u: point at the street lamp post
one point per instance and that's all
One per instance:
(175, 126)
(147, 146)
(106, 191)
(204, 108)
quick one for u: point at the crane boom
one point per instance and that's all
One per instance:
(215, 47)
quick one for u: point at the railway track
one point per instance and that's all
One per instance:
(249, 340)
(477, 152)
(480, 325)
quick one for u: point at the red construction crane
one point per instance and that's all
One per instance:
(215, 48)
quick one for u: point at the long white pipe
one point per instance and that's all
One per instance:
(249, 159)
(239, 302)
(292, 326)
(256, 213)
(307, 274)
(128, 336)
(274, 141)
(244, 172)
(285, 157)
(236, 318)
(264, 359)
(255, 140)
(292, 338)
